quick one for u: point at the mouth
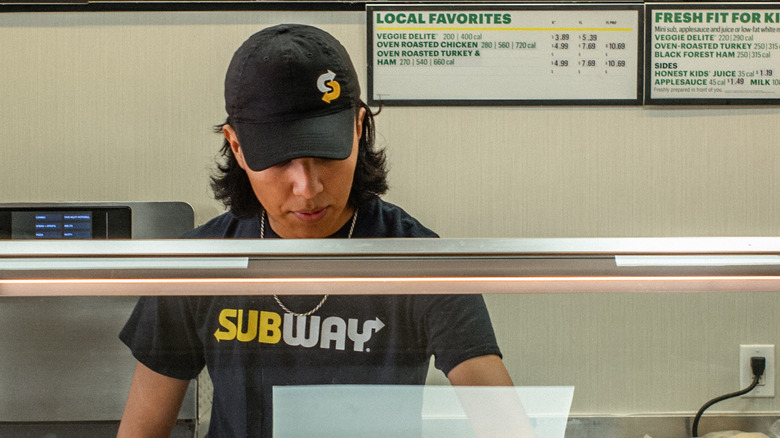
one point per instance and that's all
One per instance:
(310, 215)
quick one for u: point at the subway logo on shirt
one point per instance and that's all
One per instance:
(297, 331)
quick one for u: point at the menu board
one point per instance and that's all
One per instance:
(713, 53)
(499, 55)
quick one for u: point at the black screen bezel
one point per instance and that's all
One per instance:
(107, 222)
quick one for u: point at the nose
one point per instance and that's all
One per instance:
(305, 176)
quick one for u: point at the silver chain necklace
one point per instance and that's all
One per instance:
(322, 301)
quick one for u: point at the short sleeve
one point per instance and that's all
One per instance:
(162, 335)
(458, 328)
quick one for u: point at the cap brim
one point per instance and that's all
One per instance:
(267, 144)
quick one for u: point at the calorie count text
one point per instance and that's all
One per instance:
(666, 74)
(588, 42)
(709, 45)
(445, 50)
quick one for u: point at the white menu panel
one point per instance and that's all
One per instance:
(726, 53)
(499, 54)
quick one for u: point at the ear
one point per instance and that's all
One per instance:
(232, 139)
(361, 115)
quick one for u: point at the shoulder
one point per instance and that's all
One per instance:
(378, 218)
(226, 225)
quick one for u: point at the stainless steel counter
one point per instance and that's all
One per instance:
(317, 266)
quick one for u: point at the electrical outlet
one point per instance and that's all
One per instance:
(766, 386)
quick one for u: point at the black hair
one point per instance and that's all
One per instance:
(231, 185)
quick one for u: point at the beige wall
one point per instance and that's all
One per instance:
(118, 106)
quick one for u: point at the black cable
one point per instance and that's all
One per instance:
(757, 365)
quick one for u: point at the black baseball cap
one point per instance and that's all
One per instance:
(290, 92)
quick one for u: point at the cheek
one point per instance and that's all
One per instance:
(346, 176)
(267, 193)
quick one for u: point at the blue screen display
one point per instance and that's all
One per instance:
(51, 225)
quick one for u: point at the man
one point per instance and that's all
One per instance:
(300, 163)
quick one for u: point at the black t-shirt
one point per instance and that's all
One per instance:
(249, 344)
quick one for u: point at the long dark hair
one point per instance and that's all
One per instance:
(231, 185)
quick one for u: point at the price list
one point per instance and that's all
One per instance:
(730, 54)
(557, 54)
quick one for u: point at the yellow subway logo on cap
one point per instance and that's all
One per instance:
(329, 86)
